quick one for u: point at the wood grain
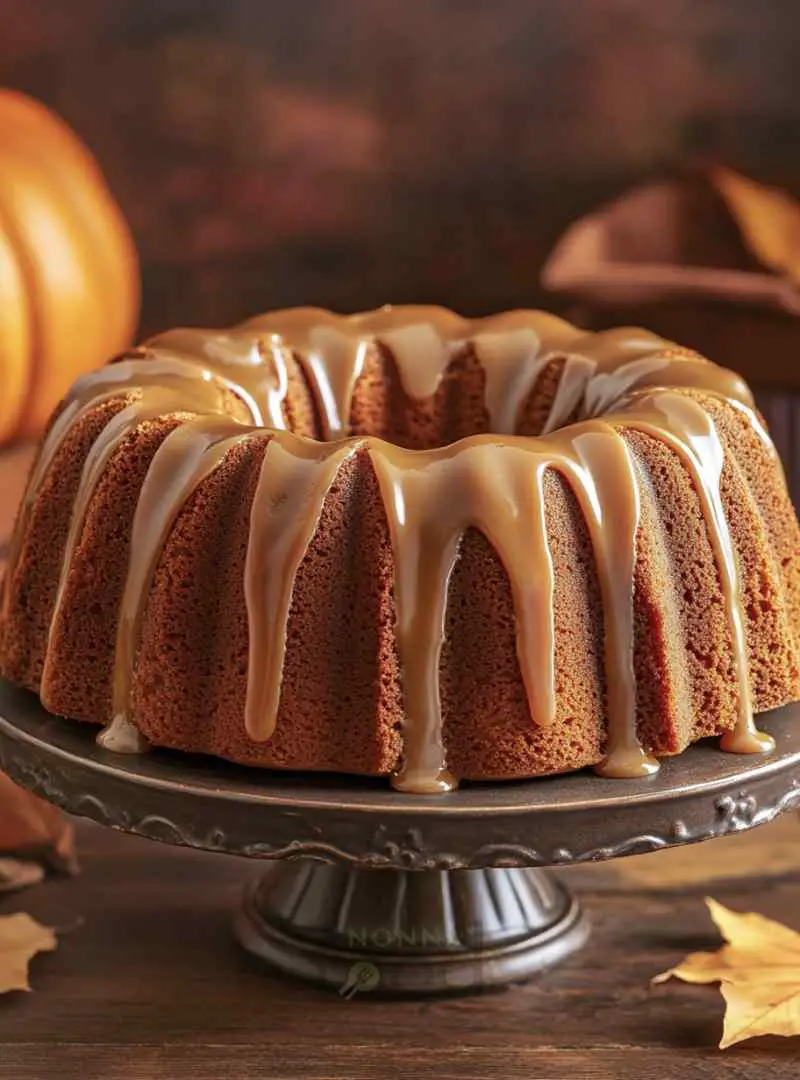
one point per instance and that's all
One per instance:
(151, 984)
(390, 1062)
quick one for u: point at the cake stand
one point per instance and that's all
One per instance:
(371, 891)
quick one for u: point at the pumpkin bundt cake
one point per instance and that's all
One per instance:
(403, 543)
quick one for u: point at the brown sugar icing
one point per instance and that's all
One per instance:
(226, 387)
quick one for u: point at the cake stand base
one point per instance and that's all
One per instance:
(402, 932)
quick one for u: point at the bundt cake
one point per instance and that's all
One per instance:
(403, 543)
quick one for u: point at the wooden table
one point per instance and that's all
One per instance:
(148, 982)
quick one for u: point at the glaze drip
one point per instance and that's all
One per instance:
(496, 487)
(296, 476)
(686, 427)
(155, 402)
(602, 477)
(225, 387)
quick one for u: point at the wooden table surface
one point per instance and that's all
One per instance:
(148, 982)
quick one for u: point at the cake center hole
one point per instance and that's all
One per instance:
(464, 403)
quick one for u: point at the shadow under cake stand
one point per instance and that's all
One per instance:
(373, 891)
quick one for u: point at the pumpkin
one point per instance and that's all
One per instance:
(69, 278)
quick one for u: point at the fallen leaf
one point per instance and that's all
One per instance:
(768, 219)
(759, 972)
(19, 874)
(31, 826)
(21, 938)
(763, 1009)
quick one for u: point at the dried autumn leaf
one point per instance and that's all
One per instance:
(21, 938)
(32, 826)
(760, 1009)
(759, 973)
(768, 219)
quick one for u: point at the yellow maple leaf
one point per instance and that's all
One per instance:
(768, 219)
(758, 971)
(21, 938)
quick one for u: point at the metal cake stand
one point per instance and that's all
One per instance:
(367, 889)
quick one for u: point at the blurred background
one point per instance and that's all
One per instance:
(350, 152)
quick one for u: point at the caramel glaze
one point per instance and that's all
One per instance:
(229, 386)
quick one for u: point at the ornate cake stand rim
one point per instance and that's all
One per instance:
(21, 713)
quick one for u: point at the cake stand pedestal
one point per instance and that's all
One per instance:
(371, 891)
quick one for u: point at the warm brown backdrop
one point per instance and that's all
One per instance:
(350, 152)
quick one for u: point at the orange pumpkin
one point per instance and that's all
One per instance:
(69, 277)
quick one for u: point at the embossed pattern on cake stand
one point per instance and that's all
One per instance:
(370, 891)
